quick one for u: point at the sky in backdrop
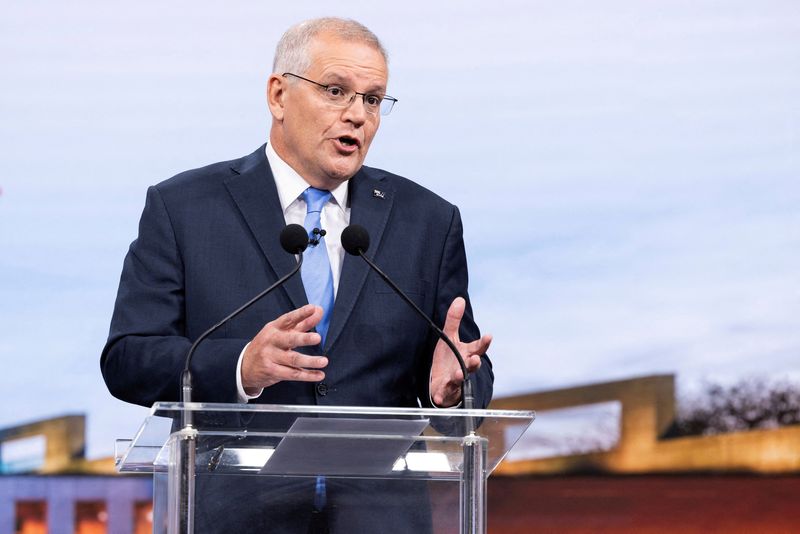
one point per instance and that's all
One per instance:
(628, 174)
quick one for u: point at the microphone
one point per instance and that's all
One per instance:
(355, 241)
(317, 234)
(294, 240)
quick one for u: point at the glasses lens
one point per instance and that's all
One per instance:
(386, 105)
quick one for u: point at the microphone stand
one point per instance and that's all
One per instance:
(473, 480)
(186, 452)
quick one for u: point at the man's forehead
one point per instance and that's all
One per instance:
(330, 48)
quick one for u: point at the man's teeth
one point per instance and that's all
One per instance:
(347, 141)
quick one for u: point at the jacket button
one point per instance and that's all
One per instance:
(322, 389)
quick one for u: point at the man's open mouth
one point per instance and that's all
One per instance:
(348, 141)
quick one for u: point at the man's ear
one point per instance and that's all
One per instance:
(276, 92)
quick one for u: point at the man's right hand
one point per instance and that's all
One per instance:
(270, 357)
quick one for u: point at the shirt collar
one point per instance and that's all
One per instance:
(291, 185)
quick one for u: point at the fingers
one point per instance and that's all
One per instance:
(473, 351)
(270, 357)
(295, 374)
(302, 361)
(310, 321)
(453, 320)
(446, 375)
(291, 330)
(473, 363)
(265, 365)
(302, 319)
(445, 399)
(295, 366)
(289, 340)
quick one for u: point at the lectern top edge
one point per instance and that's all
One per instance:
(161, 407)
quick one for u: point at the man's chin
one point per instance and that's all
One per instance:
(342, 173)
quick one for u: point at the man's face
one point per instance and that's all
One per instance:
(324, 144)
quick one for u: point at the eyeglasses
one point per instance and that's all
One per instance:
(340, 97)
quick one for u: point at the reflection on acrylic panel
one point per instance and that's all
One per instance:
(567, 431)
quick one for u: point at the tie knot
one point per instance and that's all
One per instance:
(315, 199)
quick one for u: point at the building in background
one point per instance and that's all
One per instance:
(604, 458)
(47, 486)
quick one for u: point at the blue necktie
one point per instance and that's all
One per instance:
(316, 271)
(318, 282)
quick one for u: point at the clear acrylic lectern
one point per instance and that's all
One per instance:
(398, 469)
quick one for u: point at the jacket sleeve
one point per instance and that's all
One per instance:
(147, 345)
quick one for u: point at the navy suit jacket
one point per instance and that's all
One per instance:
(208, 242)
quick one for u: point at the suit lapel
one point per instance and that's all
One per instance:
(252, 188)
(370, 204)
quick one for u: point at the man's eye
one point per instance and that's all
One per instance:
(373, 100)
(335, 92)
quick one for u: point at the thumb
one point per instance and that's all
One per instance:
(453, 319)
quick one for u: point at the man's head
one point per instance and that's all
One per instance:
(325, 141)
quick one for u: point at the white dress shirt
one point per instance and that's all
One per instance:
(335, 214)
(335, 217)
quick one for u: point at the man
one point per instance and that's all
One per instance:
(208, 241)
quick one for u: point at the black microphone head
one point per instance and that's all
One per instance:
(294, 238)
(355, 239)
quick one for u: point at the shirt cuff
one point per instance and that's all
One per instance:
(241, 394)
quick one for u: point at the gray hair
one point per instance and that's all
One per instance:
(292, 55)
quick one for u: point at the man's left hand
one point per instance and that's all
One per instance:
(446, 375)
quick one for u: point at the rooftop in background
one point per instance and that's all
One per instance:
(50, 446)
(647, 414)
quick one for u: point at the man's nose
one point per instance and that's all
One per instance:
(356, 110)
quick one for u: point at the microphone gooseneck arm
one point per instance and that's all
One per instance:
(186, 387)
(186, 376)
(466, 388)
(294, 240)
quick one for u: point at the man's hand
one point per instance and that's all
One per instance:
(270, 357)
(446, 375)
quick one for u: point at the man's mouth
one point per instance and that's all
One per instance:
(346, 140)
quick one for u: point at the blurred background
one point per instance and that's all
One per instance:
(629, 179)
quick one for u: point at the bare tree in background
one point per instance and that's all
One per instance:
(749, 404)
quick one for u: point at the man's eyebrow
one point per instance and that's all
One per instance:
(336, 79)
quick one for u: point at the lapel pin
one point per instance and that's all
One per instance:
(377, 193)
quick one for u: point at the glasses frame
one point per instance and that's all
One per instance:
(384, 98)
